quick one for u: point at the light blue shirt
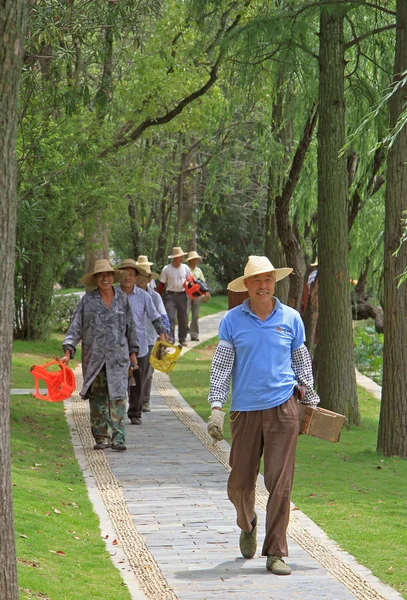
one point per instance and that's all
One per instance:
(262, 375)
(160, 308)
(142, 308)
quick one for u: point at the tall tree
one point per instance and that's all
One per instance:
(12, 21)
(392, 436)
(334, 359)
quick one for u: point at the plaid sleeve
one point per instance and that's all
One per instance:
(302, 367)
(221, 371)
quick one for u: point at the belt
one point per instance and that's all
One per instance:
(169, 292)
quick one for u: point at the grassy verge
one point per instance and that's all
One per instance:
(354, 493)
(64, 291)
(214, 305)
(60, 551)
(27, 354)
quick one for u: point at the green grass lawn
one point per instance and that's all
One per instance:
(27, 354)
(355, 494)
(214, 305)
(60, 551)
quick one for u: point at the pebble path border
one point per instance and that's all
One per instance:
(141, 561)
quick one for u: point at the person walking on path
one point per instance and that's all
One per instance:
(194, 304)
(143, 281)
(172, 278)
(261, 347)
(142, 307)
(104, 322)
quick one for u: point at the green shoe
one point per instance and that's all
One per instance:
(248, 541)
(276, 565)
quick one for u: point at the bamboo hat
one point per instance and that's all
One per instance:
(102, 266)
(191, 255)
(131, 264)
(143, 260)
(177, 251)
(256, 265)
(143, 265)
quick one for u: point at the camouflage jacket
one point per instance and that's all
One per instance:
(108, 337)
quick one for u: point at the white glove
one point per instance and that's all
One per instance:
(215, 424)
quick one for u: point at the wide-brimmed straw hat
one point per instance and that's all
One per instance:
(102, 266)
(144, 265)
(177, 251)
(256, 265)
(129, 263)
(191, 255)
(143, 260)
(315, 263)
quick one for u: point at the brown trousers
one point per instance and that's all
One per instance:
(272, 433)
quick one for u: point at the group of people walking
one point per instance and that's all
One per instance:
(118, 327)
(261, 350)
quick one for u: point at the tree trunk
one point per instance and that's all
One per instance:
(335, 368)
(134, 225)
(392, 436)
(96, 240)
(12, 26)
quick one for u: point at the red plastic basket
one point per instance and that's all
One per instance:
(60, 383)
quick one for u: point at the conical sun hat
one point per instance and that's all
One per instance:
(102, 266)
(256, 265)
(143, 260)
(191, 255)
(177, 251)
(131, 264)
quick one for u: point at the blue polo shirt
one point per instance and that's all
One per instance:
(262, 375)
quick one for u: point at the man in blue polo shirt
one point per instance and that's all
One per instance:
(261, 347)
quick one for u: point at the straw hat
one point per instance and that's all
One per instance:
(131, 264)
(143, 265)
(143, 260)
(314, 264)
(177, 251)
(191, 255)
(102, 266)
(256, 265)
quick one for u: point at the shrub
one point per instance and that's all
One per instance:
(63, 308)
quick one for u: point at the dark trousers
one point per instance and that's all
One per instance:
(148, 380)
(176, 307)
(272, 433)
(136, 392)
(194, 307)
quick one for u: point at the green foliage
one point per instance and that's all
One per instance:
(62, 311)
(368, 346)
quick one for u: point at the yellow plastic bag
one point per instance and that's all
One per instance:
(164, 355)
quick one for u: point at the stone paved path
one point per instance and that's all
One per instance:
(174, 488)
(165, 501)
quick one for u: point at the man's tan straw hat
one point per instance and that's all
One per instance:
(102, 266)
(143, 260)
(143, 265)
(315, 263)
(177, 251)
(131, 264)
(256, 265)
(191, 255)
